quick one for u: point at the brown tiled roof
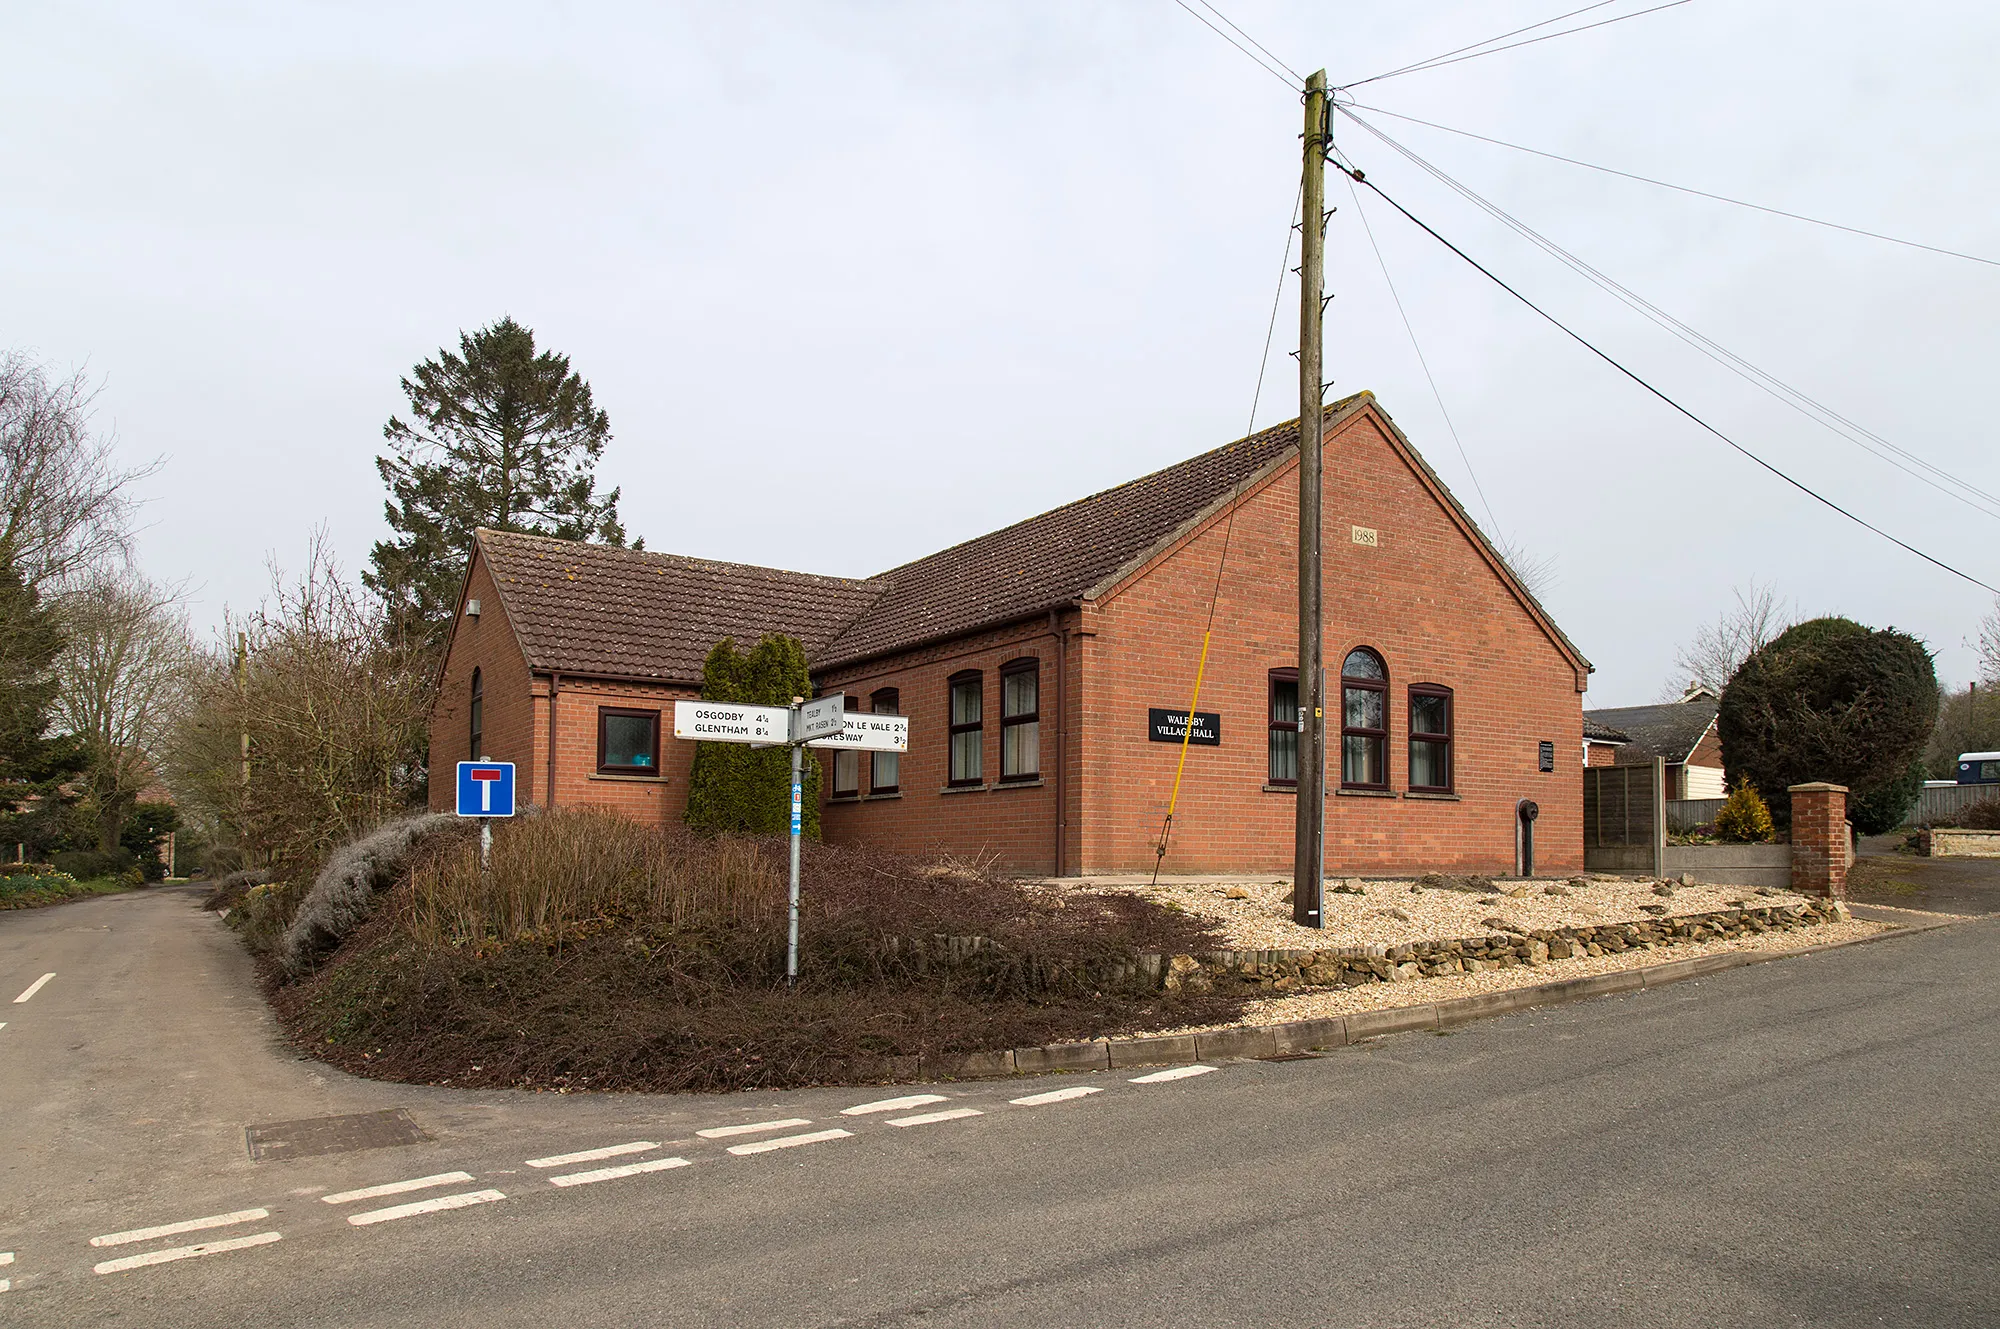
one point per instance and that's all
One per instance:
(592, 609)
(1059, 556)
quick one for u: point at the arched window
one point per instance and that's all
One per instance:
(1364, 721)
(1430, 738)
(1021, 719)
(477, 712)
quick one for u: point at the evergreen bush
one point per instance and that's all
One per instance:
(1744, 818)
(735, 787)
(1828, 700)
(1883, 808)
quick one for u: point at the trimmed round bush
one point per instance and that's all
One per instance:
(1830, 700)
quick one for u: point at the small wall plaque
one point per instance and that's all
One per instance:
(1365, 535)
(1548, 756)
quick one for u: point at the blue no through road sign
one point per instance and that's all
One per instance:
(486, 789)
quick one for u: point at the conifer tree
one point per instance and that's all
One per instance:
(499, 435)
(735, 787)
(32, 764)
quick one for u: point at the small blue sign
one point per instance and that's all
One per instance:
(486, 789)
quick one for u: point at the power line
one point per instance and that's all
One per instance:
(1293, 82)
(1683, 189)
(1440, 62)
(1825, 416)
(1415, 64)
(1437, 396)
(1297, 77)
(1359, 178)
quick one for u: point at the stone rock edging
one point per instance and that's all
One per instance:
(1307, 1036)
(1506, 947)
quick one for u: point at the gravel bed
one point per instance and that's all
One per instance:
(1257, 914)
(1323, 1002)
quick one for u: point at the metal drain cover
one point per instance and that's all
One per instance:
(276, 1141)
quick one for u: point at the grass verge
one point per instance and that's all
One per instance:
(32, 886)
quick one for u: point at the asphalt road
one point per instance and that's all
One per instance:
(1807, 1142)
(1887, 874)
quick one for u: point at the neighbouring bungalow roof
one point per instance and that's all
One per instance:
(1603, 733)
(1671, 730)
(592, 609)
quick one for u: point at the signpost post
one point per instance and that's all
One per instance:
(820, 723)
(485, 791)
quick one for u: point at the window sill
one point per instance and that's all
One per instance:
(627, 779)
(1292, 789)
(886, 793)
(1433, 796)
(1035, 783)
(842, 798)
(963, 789)
(1365, 793)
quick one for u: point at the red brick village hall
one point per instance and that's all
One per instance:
(1030, 662)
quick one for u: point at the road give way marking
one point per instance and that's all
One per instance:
(787, 1142)
(145, 1258)
(891, 1104)
(175, 1229)
(33, 988)
(593, 1155)
(396, 1188)
(437, 1205)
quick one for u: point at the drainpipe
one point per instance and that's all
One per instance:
(1061, 632)
(555, 682)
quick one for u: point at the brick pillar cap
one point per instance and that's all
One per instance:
(1817, 787)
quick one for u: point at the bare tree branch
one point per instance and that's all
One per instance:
(64, 501)
(1718, 648)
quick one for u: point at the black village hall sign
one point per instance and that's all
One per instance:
(1163, 726)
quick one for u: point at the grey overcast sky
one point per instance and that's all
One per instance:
(960, 263)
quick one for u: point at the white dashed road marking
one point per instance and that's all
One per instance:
(1172, 1073)
(592, 1155)
(33, 988)
(787, 1142)
(613, 1173)
(185, 1253)
(396, 1188)
(439, 1205)
(752, 1128)
(891, 1104)
(926, 1118)
(6, 1258)
(175, 1229)
(1057, 1095)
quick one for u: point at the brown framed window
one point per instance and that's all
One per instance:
(477, 712)
(846, 773)
(628, 741)
(967, 728)
(885, 769)
(1430, 738)
(1284, 736)
(1364, 721)
(1021, 719)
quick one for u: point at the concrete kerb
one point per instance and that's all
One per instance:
(1252, 1042)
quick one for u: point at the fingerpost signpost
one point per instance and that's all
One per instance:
(820, 723)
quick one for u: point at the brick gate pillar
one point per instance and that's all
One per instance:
(1819, 839)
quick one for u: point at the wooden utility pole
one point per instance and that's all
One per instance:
(1309, 833)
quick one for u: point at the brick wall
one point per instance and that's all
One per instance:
(508, 728)
(1012, 822)
(1422, 596)
(1600, 754)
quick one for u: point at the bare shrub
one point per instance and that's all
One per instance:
(342, 897)
(336, 707)
(570, 871)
